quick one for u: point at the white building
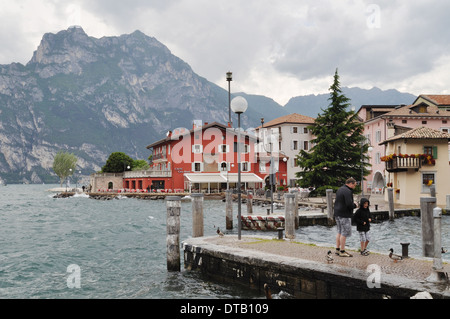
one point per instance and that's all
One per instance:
(292, 135)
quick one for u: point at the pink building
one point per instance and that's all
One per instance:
(381, 122)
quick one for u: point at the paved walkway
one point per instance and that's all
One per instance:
(412, 268)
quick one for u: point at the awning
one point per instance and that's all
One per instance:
(245, 178)
(206, 178)
(223, 178)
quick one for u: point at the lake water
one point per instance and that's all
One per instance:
(120, 246)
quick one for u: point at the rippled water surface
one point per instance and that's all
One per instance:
(120, 246)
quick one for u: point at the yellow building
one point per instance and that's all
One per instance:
(417, 160)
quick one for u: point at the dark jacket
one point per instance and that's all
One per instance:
(344, 205)
(362, 215)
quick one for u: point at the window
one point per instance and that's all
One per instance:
(378, 136)
(306, 145)
(246, 149)
(223, 148)
(245, 167)
(295, 129)
(295, 145)
(305, 130)
(197, 148)
(428, 180)
(224, 167)
(424, 122)
(262, 167)
(197, 167)
(431, 150)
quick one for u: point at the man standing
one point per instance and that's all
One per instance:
(343, 212)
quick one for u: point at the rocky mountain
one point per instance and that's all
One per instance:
(92, 97)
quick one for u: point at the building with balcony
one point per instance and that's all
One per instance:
(417, 160)
(205, 159)
(382, 122)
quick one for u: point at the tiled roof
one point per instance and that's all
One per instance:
(293, 118)
(407, 110)
(437, 99)
(420, 133)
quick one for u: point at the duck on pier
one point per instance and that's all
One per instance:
(393, 256)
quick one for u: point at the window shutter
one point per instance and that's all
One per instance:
(435, 152)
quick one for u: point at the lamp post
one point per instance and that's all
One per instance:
(362, 163)
(229, 79)
(271, 177)
(239, 105)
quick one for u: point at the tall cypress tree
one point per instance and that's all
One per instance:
(337, 146)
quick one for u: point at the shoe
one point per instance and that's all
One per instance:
(365, 252)
(337, 252)
(345, 254)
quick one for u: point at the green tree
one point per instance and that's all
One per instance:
(337, 146)
(140, 165)
(64, 165)
(118, 162)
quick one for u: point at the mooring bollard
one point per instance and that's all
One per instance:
(173, 205)
(197, 215)
(289, 212)
(250, 202)
(229, 209)
(330, 208)
(405, 250)
(427, 205)
(391, 203)
(437, 273)
(280, 233)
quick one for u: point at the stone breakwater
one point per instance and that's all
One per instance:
(302, 270)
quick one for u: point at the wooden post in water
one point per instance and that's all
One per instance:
(295, 192)
(173, 205)
(249, 202)
(427, 205)
(330, 208)
(391, 203)
(197, 215)
(289, 215)
(229, 209)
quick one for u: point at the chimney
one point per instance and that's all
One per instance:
(390, 129)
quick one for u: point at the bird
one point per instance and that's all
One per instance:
(394, 257)
(329, 257)
(219, 232)
(267, 291)
(443, 251)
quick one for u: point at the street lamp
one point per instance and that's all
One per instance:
(229, 79)
(271, 177)
(370, 149)
(239, 105)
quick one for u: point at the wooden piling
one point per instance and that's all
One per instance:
(330, 208)
(250, 202)
(391, 203)
(229, 209)
(197, 215)
(427, 204)
(289, 213)
(173, 205)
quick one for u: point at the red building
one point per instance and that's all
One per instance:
(204, 159)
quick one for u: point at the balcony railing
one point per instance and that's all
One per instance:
(399, 164)
(148, 173)
(159, 156)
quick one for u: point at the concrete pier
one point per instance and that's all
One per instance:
(302, 270)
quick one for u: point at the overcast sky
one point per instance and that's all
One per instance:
(279, 49)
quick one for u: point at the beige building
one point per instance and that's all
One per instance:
(415, 161)
(291, 134)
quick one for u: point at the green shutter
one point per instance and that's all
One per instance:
(435, 153)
